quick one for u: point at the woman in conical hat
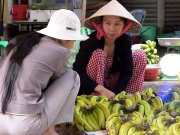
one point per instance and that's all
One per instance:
(37, 90)
(105, 61)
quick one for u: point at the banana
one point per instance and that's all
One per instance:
(149, 118)
(176, 96)
(125, 128)
(131, 131)
(79, 126)
(139, 133)
(95, 115)
(142, 110)
(101, 117)
(116, 108)
(173, 105)
(81, 119)
(157, 130)
(137, 96)
(93, 100)
(104, 109)
(94, 123)
(175, 128)
(159, 102)
(113, 115)
(128, 103)
(130, 97)
(112, 122)
(150, 93)
(120, 95)
(146, 106)
(136, 118)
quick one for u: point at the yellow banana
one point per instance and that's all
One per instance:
(136, 118)
(82, 120)
(130, 97)
(150, 93)
(120, 95)
(112, 122)
(113, 115)
(141, 110)
(146, 106)
(93, 120)
(174, 128)
(93, 100)
(159, 102)
(101, 117)
(131, 131)
(139, 133)
(79, 126)
(104, 109)
(176, 96)
(125, 128)
(95, 115)
(116, 108)
(128, 103)
(137, 96)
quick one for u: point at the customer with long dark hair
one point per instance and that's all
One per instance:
(37, 90)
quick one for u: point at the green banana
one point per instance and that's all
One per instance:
(79, 126)
(81, 119)
(104, 109)
(139, 133)
(137, 96)
(113, 115)
(94, 99)
(176, 96)
(95, 115)
(120, 95)
(116, 108)
(146, 106)
(130, 97)
(131, 131)
(125, 128)
(128, 103)
(173, 105)
(150, 92)
(159, 102)
(141, 110)
(174, 128)
(92, 121)
(101, 117)
(112, 122)
(136, 118)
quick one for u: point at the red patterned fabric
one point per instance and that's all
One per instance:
(99, 65)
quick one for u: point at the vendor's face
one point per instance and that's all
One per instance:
(112, 26)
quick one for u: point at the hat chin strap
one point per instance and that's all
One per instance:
(101, 33)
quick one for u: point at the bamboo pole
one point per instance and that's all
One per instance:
(83, 12)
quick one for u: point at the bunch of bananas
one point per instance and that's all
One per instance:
(89, 113)
(139, 113)
(151, 52)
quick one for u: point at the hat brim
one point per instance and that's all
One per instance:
(64, 36)
(113, 8)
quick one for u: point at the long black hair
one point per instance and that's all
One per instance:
(21, 47)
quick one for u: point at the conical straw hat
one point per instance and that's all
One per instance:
(116, 9)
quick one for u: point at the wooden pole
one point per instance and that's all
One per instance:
(83, 12)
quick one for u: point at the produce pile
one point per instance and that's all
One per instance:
(150, 49)
(129, 114)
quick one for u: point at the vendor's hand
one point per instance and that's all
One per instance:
(104, 91)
